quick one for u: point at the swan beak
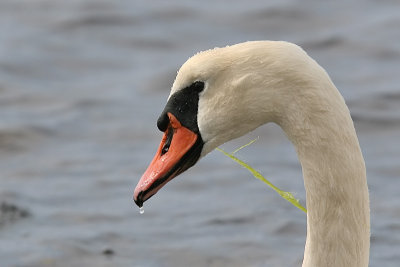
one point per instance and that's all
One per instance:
(178, 151)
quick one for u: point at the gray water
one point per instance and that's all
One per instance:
(81, 86)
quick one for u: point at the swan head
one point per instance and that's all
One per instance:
(218, 95)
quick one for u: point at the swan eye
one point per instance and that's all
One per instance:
(198, 86)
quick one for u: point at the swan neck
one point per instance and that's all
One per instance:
(334, 174)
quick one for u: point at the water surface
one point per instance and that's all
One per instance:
(81, 86)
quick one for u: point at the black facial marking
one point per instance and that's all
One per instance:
(183, 105)
(162, 122)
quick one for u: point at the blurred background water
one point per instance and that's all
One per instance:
(82, 83)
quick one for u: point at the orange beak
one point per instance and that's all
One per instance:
(176, 153)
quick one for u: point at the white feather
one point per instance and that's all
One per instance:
(253, 83)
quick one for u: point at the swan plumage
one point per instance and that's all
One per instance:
(240, 87)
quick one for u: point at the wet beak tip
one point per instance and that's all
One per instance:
(138, 198)
(138, 202)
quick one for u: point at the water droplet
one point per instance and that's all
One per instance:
(141, 210)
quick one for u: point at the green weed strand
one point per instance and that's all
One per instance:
(286, 195)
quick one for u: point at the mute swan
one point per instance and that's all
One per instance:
(224, 93)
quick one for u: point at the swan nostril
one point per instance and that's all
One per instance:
(164, 150)
(170, 133)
